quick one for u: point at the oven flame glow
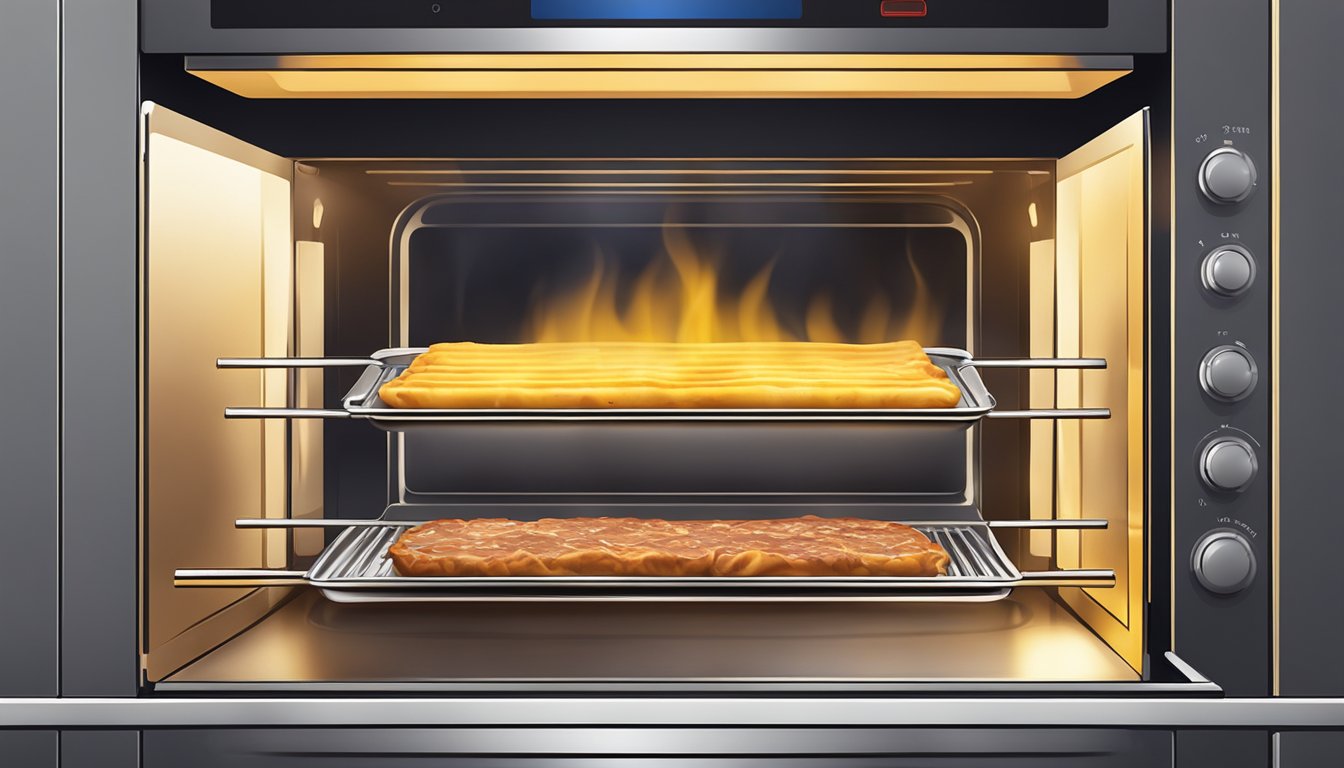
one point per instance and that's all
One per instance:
(680, 297)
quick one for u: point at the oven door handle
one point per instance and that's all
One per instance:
(238, 577)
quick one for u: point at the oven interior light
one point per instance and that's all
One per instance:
(1031, 214)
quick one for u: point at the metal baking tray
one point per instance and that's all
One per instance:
(355, 568)
(363, 402)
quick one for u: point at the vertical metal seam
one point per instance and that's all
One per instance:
(60, 350)
(1171, 352)
(1274, 391)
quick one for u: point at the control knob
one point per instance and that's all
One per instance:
(1228, 270)
(1223, 562)
(1227, 176)
(1228, 373)
(1228, 464)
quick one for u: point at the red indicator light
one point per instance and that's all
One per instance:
(905, 8)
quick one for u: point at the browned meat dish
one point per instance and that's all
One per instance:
(672, 375)
(606, 546)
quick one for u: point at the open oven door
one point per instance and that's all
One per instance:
(1079, 309)
(216, 273)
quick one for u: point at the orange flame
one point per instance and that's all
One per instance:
(677, 297)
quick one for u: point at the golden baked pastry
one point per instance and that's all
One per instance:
(672, 375)
(607, 546)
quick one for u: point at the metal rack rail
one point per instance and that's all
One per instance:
(355, 568)
(363, 402)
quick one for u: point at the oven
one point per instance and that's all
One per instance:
(235, 222)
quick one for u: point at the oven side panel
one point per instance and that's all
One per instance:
(1310, 626)
(98, 382)
(30, 345)
(1220, 105)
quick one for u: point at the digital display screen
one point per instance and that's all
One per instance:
(611, 10)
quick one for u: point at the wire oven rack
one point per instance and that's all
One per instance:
(355, 568)
(363, 402)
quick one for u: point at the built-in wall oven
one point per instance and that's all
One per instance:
(1103, 221)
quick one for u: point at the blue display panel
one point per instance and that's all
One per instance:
(609, 10)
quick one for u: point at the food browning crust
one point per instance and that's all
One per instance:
(672, 375)
(603, 546)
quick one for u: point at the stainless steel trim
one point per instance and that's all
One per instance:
(735, 686)
(1185, 669)
(1053, 413)
(1039, 362)
(316, 523)
(285, 413)
(237, 577)
(295, 362)
(1068, 525)
(879, 711)
(1097, 577)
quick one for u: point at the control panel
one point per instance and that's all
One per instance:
(1221, 295)
(522, 14)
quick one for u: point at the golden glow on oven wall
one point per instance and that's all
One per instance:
(1099, 288)
(306, 465)
(1041, 493)
(661, 75)
(217, 269)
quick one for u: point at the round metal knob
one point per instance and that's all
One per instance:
(1223, 562)
(1227, 176)
(1228, 373)
(1228, 464)
(1229, 270)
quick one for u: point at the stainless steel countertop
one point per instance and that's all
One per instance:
(746, 711)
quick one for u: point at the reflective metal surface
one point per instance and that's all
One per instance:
(1138, 712)
(1100, 281)
(217, 274)
(312, 643)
